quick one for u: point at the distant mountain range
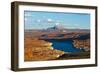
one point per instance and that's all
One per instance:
(63, 29)
(56, 27)
(57, 32)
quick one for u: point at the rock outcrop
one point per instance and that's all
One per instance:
(82, 44)
(37, 50)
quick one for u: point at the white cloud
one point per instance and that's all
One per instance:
(25, 19)
(49, 20)
(57, 23)
(38, 20)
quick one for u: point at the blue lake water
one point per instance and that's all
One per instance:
(64, 45)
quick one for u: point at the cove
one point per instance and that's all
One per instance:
(65, 45)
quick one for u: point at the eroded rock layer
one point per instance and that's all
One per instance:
(37, 50)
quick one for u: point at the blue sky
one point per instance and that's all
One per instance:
(44, 20)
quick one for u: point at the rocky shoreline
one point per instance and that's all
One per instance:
(38, 50)
(82, 44)
(77, 55)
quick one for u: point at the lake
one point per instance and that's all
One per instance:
(64, 45)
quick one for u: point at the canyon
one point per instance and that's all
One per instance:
(38, 48)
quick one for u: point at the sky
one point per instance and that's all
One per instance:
(44, 20)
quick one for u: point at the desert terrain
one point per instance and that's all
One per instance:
(38, 48)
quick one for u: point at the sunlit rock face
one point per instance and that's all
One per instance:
(38, 50)
(82, 44)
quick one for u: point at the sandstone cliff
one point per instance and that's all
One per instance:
(82, 44)
(37, 50)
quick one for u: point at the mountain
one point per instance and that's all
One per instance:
(56, 27)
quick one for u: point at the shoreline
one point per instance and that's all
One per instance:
(76, 55)
(42, 50)
(70, 56)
